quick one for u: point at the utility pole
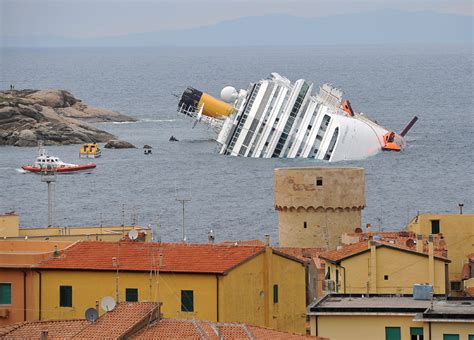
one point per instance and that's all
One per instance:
(183, 202)
(48, 175)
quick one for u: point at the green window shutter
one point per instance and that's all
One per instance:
(187, 301)
(416, 331)
(471, 337)
(5, 293)
(450, 336)
(393, 333)
(435, 226)
(275, 293)
(65, 296)
(131, 294)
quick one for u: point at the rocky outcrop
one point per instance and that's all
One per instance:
(52, 116)
(119, 144)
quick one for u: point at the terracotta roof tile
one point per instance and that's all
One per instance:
(304, 254)
(356, 248)
(139, 256)
(196, 329)
(119, 322)
(244, 243)
(56, 329)
(469, 291)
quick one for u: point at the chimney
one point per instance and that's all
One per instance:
(210, 237)
(161, 260)
(44, 335)
(268, 241)
(368, 228)
(419, 243)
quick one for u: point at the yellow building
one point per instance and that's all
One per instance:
(317, 205)
(458, 232)
(9, 225)
(391, 317)
(370, 268)
(10, 229)
(220, 283)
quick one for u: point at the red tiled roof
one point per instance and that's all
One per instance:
(469, 291)
(33, 329)
(139, 256)
(244, 243)
(359, 247)
(303, 254)
(120, 322)
(197, 329)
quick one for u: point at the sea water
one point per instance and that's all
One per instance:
(234, 195)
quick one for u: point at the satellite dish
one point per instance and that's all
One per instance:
(229, 94)
(107, 303)
(92, 314)
(133, 234)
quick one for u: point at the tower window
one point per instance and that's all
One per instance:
(319, 181)
(385, 277)
(305, 225)
(435, 226)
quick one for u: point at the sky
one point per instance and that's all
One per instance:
(102, 18)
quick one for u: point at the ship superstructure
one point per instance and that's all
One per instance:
(277, 118)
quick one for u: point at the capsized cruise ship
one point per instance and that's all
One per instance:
(277, 118)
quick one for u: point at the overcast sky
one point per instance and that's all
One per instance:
(83, 19)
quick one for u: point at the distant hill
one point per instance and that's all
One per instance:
(379, 27)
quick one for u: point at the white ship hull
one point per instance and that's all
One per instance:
(277, 118)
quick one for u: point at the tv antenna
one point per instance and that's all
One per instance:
(107, 303)
(92, 314)
(183, 202)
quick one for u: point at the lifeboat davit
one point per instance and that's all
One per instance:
(52, 163)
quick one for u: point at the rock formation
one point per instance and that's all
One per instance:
(53, 116)
(119, 144)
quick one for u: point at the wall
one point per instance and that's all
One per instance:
(440, 328)
(9, 225)
(403, 273)
(105, 233)
(16, 309)
(329, 210)
(355, 327)
(254, 304)
(458, 231)
(92, 286)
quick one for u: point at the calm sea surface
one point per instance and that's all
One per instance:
(234, 196)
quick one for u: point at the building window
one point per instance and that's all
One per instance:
(392, 333)
(435, 226)
(305, 225)
(450, 336)
(416, 333)
(187, 301)
(5, 293)
(385, 277)
(319, 181)
(131, 294)
(275, 293)
(65, 296)
(456, 286)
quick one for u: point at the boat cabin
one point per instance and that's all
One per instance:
(91, 150)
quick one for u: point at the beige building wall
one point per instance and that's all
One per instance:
(458, 232)
(317, 205)
(9, 225)
(372, 327)
(388, 276)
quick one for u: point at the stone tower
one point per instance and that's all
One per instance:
(317, 205)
